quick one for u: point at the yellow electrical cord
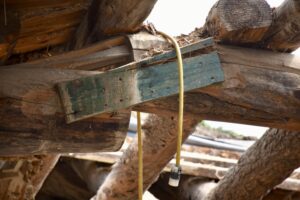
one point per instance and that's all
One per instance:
(181, 95)
(140, 156)
(180, 118)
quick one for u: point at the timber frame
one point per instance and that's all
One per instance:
(80, 100)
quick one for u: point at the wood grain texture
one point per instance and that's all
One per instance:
(32, 120)
(278, 146)
(144, 80)
(41, 24)
(284, 33)
(238, 22)
(99, 56)
(120, 17)
(255, 81)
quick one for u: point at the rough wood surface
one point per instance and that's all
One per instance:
(33, 122)
(247, 71)
(103, 55)
(242, 22)
(38, 24)
(280, 150)
(159, 147)
(21, 178)
(138, 82)
(284, 33)
(254, 176)
(111, 17)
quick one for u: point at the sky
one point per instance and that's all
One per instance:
(177, 17)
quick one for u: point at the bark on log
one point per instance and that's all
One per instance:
(35, 24)
(195, 188)
(22, 178)
(284, 33)
(159, 147)
(254, 176)
(242, 22)
(32, 119)
(247, 71)
(111, 17)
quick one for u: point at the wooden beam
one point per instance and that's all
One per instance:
(35, 107)
(139, 82)
(39, 24)
(284, 33)
(238, 22)
(33, 122)
(247, 71)
(101, 56)
(111, 17)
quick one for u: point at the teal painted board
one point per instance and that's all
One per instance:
(135, 83)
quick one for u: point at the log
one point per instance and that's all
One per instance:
(276, 76)
(40, 24)
(253, 177)
(21, 178)
(146, 80)
(222, 102)
(101, 56)
(238, 22)
(43, 24)
(284, 33)
(159, 147)
(280, 149)
(111, 17)
(33, 122)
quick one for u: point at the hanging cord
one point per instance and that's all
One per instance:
(176, 170)
(181, 93)
(140, 156)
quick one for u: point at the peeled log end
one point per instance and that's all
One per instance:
(238, 22)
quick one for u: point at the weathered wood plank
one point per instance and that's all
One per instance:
(111, 52)
(136, 83)
(255, 81)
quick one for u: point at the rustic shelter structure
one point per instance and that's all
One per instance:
(72, 71)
